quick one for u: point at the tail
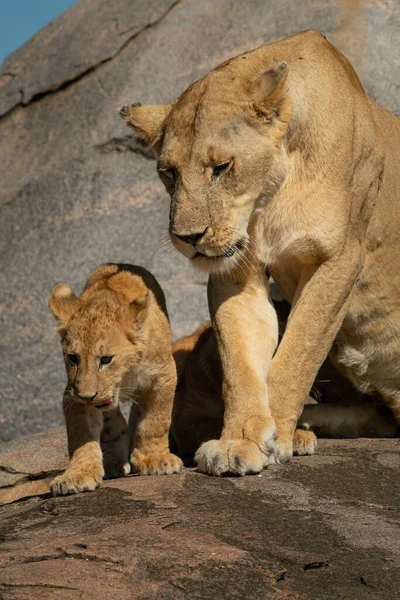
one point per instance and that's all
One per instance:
(342, 420)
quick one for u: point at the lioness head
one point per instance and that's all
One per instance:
(101, 333)
(220, 156)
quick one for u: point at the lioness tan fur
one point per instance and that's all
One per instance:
(278, 159)
(117, 346)
(199, 410)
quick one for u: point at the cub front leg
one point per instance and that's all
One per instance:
(246, 329)
(85, 469)
(151, 455)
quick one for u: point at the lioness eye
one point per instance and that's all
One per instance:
(105, 360)
(73, 359)
(222, 168)
(170, 173)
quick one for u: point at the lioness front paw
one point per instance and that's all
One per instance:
(235, 457)
(74, 481)
(156, 464)
(304, 442)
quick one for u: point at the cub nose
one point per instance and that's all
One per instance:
(191, 238)
(84, 396)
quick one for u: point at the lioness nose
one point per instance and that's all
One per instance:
(191, 238)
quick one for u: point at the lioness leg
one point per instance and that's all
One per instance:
(318, 311)
(114, 444)
(199, 408)
(246, 329)
(197, 428)
(85, 469)
(151, 455)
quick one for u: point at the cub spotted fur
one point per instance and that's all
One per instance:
(117, 346)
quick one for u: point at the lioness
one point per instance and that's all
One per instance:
(117, 346)
(278, 159)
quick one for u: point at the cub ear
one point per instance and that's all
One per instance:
(147, 121)
(139, 307)
(102, 272)
(270, 92)
(133, 289)
(63, 303)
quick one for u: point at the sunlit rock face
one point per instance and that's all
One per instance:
(77, 191)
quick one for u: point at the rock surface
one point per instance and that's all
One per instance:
(76, 191)
(324, 527)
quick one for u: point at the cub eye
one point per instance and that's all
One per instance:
(105, 360)
(222, 168)
(169, 173)
(73, 359)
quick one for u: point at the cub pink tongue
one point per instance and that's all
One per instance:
(104, 403)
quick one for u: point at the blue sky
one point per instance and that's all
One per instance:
(20, 19)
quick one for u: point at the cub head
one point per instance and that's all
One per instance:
(101, 333)
(220, 155)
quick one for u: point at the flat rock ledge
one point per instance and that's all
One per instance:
(320, 527)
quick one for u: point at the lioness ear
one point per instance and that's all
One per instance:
(133, 289)
(270, 92)
(63, 303)
(147, 121)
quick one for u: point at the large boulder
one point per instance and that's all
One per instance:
(322, 527)
(77, 191)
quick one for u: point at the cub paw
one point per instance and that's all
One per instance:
(156, 464)
(74, 481)
(235, 457)
(304, 442)
(115, 470)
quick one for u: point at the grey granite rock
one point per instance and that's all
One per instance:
(76, 191)
(73, 44)
(321, 527)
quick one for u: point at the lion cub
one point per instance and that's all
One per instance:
(117, 346)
